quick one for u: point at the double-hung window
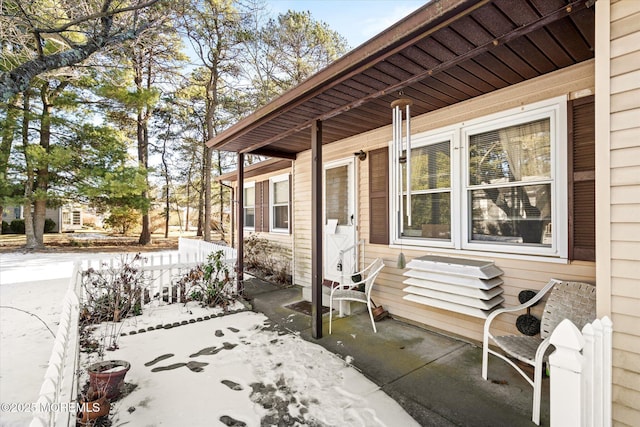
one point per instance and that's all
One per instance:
(495, 184)
(280, 203)
(249, 208)
(431, 185)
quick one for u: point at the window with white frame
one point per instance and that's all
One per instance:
(494, 184)
(430, 196)
(249, 208)
(279, 203)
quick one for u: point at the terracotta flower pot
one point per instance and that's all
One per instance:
(108, 376)
(96, 406)
(379, 313)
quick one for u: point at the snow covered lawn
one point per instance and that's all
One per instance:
(234, 368)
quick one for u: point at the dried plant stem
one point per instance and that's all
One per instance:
(31, 314)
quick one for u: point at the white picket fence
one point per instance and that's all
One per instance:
(60, 385)
(200, 250)
(160, 271)
(580, 370)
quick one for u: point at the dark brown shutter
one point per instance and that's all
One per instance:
(582, 179)
(290, 204)
(262, 206)
(257, 220)
(379, 196)
(265, 206)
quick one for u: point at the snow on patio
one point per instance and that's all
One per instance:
(233, 367)
(237, 367)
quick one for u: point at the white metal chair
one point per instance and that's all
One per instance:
(350, 292)
(575, 301)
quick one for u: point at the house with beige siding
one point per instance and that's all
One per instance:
(267, 208)
(524, 154)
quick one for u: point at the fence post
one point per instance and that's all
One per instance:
(607, 367)
(566, 382)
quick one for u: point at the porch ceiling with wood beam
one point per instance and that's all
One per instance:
(446, 52)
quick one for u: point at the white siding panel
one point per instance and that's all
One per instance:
(625, 194)
(627, 288)
(626, 342)
(625, 231)
(625, 82)
(626, 306)
(627, 25)
(620, 10)
(628, 119)
(626, 100)
(625, 213)
(626, 63)
(625, 269)
(625, 44)
(626, 324)
(627, 138)
(626, 176)
(630, 361)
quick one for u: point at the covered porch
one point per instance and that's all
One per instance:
(434, 377)
(457, 61)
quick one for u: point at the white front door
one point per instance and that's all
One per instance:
(339, 219)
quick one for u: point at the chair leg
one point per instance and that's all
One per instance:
(537, 392)
(330, 313)
(485, 357)
(373, 322)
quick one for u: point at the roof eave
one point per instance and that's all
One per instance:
(364, 55)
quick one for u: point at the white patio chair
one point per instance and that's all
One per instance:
(575, 301)
(350, 292)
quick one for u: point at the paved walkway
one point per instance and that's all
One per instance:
(435, 378)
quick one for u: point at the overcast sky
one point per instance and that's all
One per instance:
(356, 20)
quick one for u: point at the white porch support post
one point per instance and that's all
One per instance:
(566, 365)
(240, 222)
(316, 229)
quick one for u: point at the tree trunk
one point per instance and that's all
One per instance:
(143, 161)
(31, 242)
(42, 175)
(39, 214)
(167, 209)
(207, 194)
(203, 167)
(165, 167)
(142, 133)
(186, 220)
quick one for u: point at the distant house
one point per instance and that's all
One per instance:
(67, 218)
(525, 153)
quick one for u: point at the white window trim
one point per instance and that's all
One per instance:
(420, 140)
(250, 184)
(272, 227)
(556, 110)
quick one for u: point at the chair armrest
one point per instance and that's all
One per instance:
(542, 348)
(527, 304)
(345, 287)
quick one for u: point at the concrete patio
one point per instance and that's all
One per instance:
(435, 378)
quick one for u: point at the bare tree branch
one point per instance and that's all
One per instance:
(105, 12)
(18, 79)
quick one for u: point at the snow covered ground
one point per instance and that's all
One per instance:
(213, 372)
